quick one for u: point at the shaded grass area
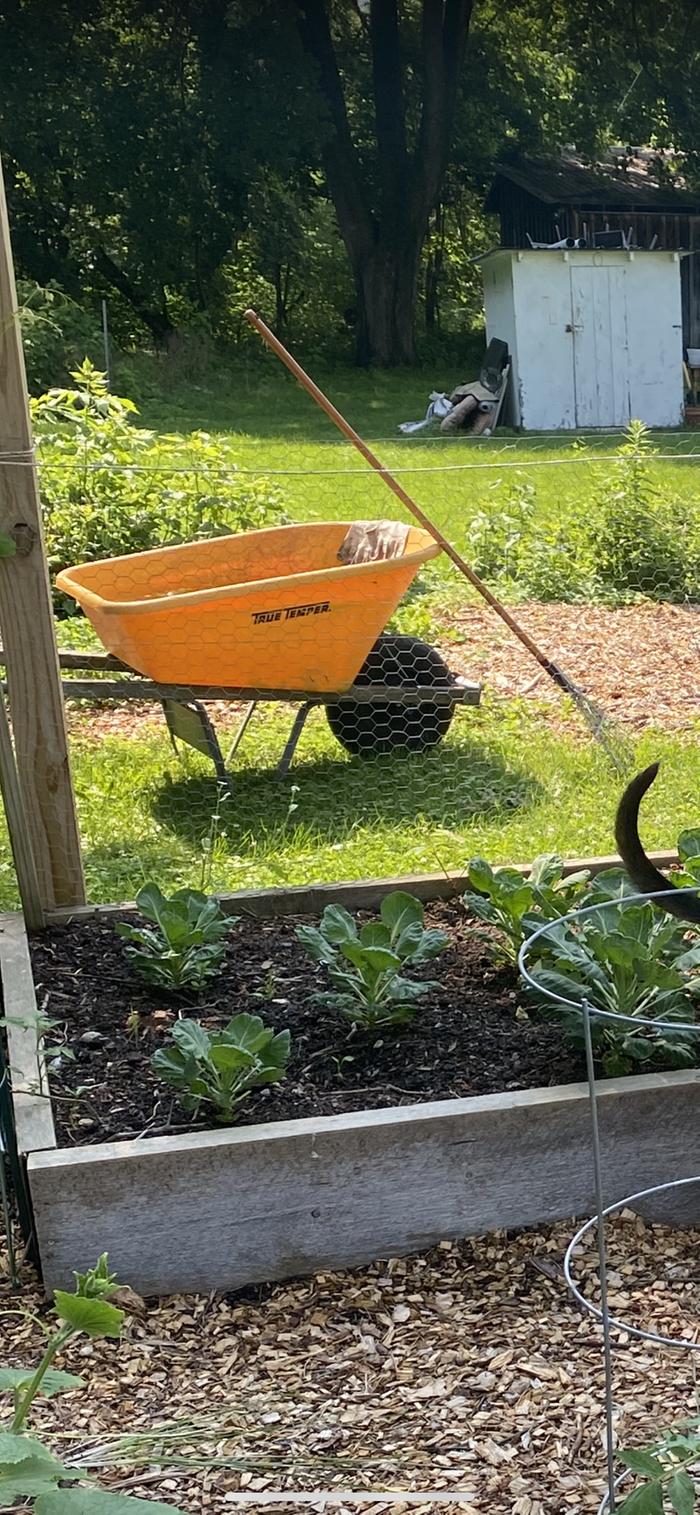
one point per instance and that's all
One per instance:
(502, 785)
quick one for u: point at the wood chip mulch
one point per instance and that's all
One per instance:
(468, 1368)
(641, 663)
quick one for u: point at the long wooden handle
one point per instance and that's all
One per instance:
(415, 510)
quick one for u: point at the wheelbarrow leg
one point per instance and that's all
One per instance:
(188, 722)
(299, 723)
(233, 749)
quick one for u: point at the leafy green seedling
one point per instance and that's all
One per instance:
(366, 966)
(516, 905)
(184, 945)
(632, 960)
(219, 1068)
(689, 854)
(28, 1470)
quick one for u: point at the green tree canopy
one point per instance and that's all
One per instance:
(332, 154)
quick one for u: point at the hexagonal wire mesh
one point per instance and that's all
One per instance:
(590, 1012)
(385, 787)
(609, 588)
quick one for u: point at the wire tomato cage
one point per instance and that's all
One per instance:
(591, 1013)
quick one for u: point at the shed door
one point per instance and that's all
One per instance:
(600, 344)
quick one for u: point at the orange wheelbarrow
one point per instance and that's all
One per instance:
(270, 615)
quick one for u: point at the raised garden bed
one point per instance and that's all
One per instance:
(469, 1119)
(470, 1035)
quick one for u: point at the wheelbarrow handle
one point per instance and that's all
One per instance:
(419, 515)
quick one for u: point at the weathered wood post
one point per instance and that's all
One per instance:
(26, 621)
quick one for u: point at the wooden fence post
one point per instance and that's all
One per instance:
(20, 839)
(26, 619)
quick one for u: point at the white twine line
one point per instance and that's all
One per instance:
(18, 455)
(233, 469)
(531, 440)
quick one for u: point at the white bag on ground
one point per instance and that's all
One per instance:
(439, 406)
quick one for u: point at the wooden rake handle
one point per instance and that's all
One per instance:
(415, 510)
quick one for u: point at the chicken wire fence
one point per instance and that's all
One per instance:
(224, 759)
(618, 1332)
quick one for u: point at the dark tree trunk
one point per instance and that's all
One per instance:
(282, 278)
(433, 271)
(155, 318)
(386, 285)
(383, 215)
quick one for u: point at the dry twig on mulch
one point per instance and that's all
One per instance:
(468, 1368)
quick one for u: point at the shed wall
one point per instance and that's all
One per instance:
(500, 322)
(595, 336)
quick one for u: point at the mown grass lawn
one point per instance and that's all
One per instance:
(278, 429)
(505, 784)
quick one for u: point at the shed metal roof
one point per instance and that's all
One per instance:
(625, 182)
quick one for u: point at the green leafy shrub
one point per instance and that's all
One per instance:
(639, 535)
(109, 487)
(517, 905)
(220, 1068)
(28, 1470)
(495, 535)
(415, 615)
(184, 945)
(634, 538)
(629, 959)
(537, 560)
(366, 966)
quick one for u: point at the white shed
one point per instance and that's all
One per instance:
(595, 337)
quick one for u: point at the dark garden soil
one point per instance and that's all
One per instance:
(471, 1035)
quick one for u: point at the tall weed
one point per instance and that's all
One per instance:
(640, 539)
(110, 487)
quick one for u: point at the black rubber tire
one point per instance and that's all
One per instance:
(371, 729)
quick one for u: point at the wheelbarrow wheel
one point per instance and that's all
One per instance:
(368, 729)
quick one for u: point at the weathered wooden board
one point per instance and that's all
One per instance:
(227, 1208)
(33, 1119)
(357, 894)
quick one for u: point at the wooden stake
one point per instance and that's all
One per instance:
(18, 828)
(33, 678)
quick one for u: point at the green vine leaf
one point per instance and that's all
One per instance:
(646, 1500)
(644, 1463)
(93, 1316)
(96, 1502)
(53, 1382)
(27, 1468)
(681, 1492)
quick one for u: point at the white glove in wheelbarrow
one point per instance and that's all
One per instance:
(370, 541)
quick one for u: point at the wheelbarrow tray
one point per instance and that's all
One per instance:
(270, 609)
